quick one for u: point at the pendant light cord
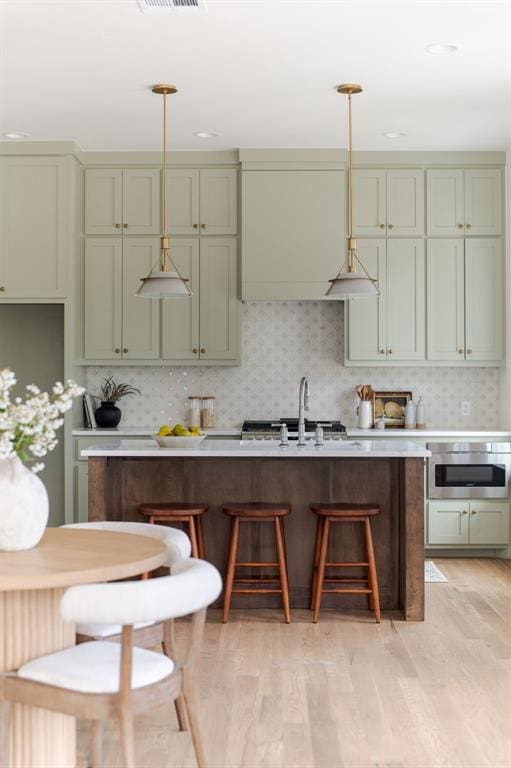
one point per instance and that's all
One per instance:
(165, 165)
(350, 170)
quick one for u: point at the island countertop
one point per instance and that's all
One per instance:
(146, 449)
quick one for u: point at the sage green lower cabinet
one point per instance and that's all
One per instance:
(206, 326)
(293, 235)
(119, 324)
(465, 310)
(81, 495)
(391, 327)
(483, 523)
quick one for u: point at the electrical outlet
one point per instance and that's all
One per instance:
(465, 407)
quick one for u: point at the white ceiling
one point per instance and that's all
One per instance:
(260, 73)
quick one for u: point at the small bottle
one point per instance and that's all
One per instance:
(207, 414)
(410, 415)
(420, 418)
(194, 408)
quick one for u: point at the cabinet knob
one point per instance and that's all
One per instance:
(124, 349)
(382, 226)
(468, 226)
(203, 226)
(460, 226)
(460, 351)
(464, 512)
(203, 350)
(469, 351)
(195, 350)
(382, 351)
(390, 226)
(117, 351)
(125, 226)
(117, 226)
(389, 351)
(2, 288)
(474, 512)
(196, 226)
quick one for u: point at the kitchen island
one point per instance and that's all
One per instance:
(124, 474)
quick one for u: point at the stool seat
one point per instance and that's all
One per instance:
(344, 509)
(256, 509)
(167, 509)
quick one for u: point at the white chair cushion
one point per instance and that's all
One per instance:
(107, 630)
(94, 668)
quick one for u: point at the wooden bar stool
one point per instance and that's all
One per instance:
(177, 512)
(260, 512)
(344, 513)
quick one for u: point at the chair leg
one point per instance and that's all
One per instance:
(200, 538)
(5, 731)
(190, 700)
(97, 743)
(180, 706)
(321, 569)
(231, 564)
(127, 738)
(373, 576)
(193, 537)
(281, 557)
(317, 546)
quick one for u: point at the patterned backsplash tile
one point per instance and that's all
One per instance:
(283, 341)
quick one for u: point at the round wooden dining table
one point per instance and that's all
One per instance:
(32, 582)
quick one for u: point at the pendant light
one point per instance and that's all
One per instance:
(165, 282)
(351, 284)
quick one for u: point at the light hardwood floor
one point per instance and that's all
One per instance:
(348, 693)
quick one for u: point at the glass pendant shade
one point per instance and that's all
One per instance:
(352, 285)
(162, 285)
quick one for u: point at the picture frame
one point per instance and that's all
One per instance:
(386, 405)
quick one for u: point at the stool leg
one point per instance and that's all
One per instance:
(193, 537)
(200, 537)
(373, 576)
(281, 557)
(321, 568)
(231, 564)
(315, 562)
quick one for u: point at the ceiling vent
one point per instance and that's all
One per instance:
(172, 6)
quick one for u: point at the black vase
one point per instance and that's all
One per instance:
(108, 415)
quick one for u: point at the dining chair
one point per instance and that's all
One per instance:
(101, 679)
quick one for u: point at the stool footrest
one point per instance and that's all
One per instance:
(257, 591)
(258, 580)
(346, 580)
(346, 565)
(344, 591)
(256, 565)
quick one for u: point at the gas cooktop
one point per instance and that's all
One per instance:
(260, 430)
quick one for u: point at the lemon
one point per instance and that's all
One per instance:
(164, 430)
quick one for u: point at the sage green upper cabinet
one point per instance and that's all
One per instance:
(390, 328)
(34, 226)
(119, 324)
(464, 202)
(202, 201)
(388, 202)
(465, 300)
(293, 236)
(204, 326)
(122, 200)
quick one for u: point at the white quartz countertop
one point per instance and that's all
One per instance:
(266, 448)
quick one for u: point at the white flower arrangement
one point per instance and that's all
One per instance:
(28, 427)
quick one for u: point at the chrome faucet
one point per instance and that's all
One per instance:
(303, 405)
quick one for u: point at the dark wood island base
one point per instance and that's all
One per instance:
(117, 485)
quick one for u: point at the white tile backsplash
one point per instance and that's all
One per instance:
(283, 341)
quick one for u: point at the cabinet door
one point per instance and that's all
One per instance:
(483, 202)
(405, 305)
(140, 316)
(103, 298)
(484, 286)
(405, 202)
(489, 522)
(103, 201)
(293, 235)
(445, 268)
(218, 203)
(183, 202)
(367, 335)
(219, 306)
(180, 316)
(448, 522)
(81, 511)
(141, 202)
(445, 204)
(369, 202)
(34, 227)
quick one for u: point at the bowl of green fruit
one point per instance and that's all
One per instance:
(179, 437)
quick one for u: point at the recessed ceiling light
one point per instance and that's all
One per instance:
(441, 48)
(205, 134)
(393, 134)
(14, 135)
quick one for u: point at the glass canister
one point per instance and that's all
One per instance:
(194, 409)
(207, 413)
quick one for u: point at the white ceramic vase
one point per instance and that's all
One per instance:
(23, 506)
(365, 414)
